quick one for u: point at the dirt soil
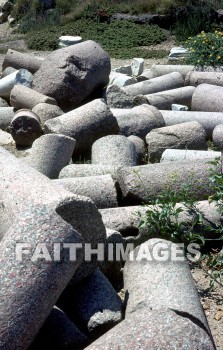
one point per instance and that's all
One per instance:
(211, 300)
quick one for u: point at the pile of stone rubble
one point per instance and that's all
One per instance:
(70, 106)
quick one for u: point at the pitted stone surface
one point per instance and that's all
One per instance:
(101, 189)
(71, 74)
(147, 329)
(85, 124)
(58, 332)
(83, 170)
(114, 150)
(139, 183)
(139, 120)
(46, 111)
(95, 303)
(189, 135)
(50, 153)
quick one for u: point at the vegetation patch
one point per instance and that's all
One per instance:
(121, 39)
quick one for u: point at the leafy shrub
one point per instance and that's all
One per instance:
(206, 49)
(121, 39)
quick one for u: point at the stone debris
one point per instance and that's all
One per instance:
(20, 60)
(189, 135)
(178, 53)
(25, 127)
(68, 40)
(87, 138)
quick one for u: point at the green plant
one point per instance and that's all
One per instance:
(121, 39)
(165, 218)
(192, 18)
(206, 49)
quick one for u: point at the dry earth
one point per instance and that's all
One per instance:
(211, 300)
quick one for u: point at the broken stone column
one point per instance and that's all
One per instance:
(20, 60)
(147, 181)
(121, 80)
(165, 99)
(207, 98)
(100, 189)
(7, 71)
(138, 121)
(72, 74)
(20, 77)
(158, 70)
(24, 97)
(40, 188)
(58, 332)
(51, 153)
(148, 329)
(166, 82)
(114, 150)
(83, 170)
(25, 127)
(6, 116)
(85, 124)
(189, 135)
(170, 155)
(94, 302)
(197, 78)
(46, 111)
(209, 120)
(140, 148)
(137, 66)
(126, 220)
(218, 137)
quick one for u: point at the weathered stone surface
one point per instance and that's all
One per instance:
(178, 53)
(126, 220)
(208, 120)
(161, 69)
(8, 71)
(127, 69)
(207, 98)
(189, 135)
(218, 137)
(58, 332)
(82, 170)
(197, 78)
(122, 80)
(137, 66)
(24, 97)
(20, 77)
(157, 277)
(139, 183)
(176, 107)
(20, 60)
(170, 155)
(148, 329)
(6, 116)
(21, 184)
(117, 98)
(50, 153)
(166, 82)
(25, 127)
(165, 99)
(47, 111)
(114, 150)
(5, 138)
(94, 302)
(139, 120)
(71, 74)
(140, 148)
(101, 189)
(85, 124)
(3, 103)
(33, 286)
